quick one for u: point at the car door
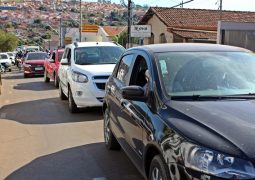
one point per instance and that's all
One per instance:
(51, 65)
(63, 70)
(117, 81)
(135, 112)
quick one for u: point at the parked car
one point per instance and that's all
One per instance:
(51, 67)
(83, 71)
(34, 64)
(184, 111)
(5, 61)
(11, 56)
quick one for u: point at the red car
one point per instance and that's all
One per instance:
(51, 67)
(34, 64)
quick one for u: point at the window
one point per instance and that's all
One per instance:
(151, 39)
(162, 38)
(97, 55)
(138, 77)
(37, 56)
(60, 54)
(123, 70)
(53, 56)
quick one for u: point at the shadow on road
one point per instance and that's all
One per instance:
(34, 86)
(84, 162)
(48, 111)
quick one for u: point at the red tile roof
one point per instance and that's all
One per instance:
(173, 17)
(113, 30)
(191, 34)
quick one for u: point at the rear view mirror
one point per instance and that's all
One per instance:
(64, 62)
(135, 93)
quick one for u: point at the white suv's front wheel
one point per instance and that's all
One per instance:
(71, 104)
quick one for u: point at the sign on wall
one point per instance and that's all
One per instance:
(141, 31)
(90, 28)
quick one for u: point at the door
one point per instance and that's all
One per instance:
(63, 70)
(51, 65)
(117, 81)
(135, 112)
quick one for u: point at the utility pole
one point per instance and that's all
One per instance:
(129, 23)
(80, 21)
(220, 10)
(60, 32)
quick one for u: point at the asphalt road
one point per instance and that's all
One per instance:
(40, 139)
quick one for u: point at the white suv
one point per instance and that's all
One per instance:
(84, 70)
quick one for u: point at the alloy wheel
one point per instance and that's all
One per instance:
(156, 175)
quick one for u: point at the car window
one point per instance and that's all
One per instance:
(207, 73)
(3, 56)
(65, 53)
(97, 55)
(138, 73)
(36, 56)
(124, 68)
(60, 54)
(53, 56)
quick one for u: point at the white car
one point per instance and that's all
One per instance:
(84, 70)
(5, 61)
(11, 56)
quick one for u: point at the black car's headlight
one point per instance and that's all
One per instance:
(215, 163)
(79, 77)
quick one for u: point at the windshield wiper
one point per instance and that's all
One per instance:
(213, 97)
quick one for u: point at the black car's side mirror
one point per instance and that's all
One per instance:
(135, 93)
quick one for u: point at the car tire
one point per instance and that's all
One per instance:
(10, 70)
(111, 142)
(62, 96)
(25, 76)
(71, 104)
(46, 79)
(158, 169)
(56, 83)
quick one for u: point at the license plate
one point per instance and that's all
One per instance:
(39, 68)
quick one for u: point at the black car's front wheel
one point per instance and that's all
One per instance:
(158, 169)
(110, 141)
(46, 79)
(56, 83)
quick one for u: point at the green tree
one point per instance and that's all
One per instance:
(8, 41)
(121, 38)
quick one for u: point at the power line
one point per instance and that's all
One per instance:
(182, 3)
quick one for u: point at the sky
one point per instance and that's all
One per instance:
(239, 5)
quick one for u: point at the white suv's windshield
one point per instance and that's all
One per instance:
(207, 73)
(3, 56)
(97, 55)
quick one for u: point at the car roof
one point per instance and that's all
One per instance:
(91, 44)
(190, 47)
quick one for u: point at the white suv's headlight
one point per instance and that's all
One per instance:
(216, 163)
(79, 77)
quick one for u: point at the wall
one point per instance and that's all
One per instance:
(157, 28)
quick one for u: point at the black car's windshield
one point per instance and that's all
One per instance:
(36, 56)
(97, 55)
(207, 73)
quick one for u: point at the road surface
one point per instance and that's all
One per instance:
(40, 139)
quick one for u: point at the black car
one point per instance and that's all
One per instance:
(184, 111)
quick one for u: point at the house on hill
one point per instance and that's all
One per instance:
(170, 25)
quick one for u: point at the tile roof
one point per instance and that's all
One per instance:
(191, 34)
(113, 30)
(172, 17)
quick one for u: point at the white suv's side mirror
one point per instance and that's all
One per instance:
(64, 62)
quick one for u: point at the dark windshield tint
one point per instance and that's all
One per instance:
(97, 55)
(207, 73)
(3, 56)
(37, 56)
(60, 54)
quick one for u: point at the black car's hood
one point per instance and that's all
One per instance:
(227, 125)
